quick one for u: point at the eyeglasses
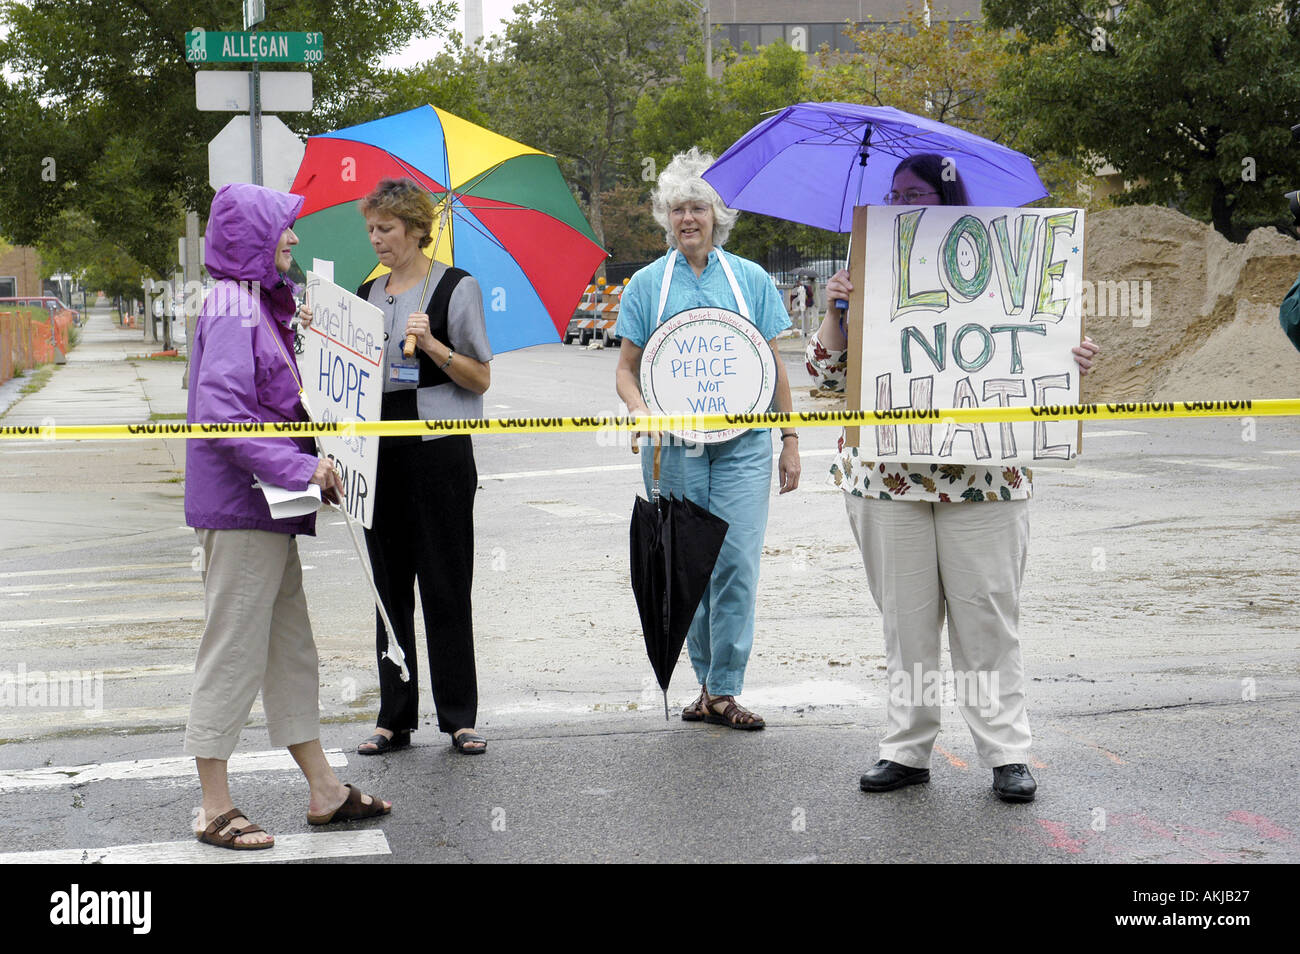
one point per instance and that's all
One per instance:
(695, 210)
(905, 198)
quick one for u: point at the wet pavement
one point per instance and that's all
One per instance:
(1158, 624)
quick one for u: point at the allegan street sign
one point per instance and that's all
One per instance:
(207, 46)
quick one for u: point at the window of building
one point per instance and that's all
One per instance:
(844, 42)
(770, 33)
(819, 33)
(8, 286)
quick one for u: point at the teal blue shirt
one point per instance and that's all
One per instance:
(1289, 313)
(639, 304)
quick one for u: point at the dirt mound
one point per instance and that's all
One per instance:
(1205, 327)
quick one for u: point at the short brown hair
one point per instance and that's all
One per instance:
(403, 199)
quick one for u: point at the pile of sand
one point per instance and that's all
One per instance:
(1213, 332)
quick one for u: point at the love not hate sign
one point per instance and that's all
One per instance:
(968, 307)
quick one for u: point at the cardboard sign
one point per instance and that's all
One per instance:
(342, 369)
(966, 307)
(707, 361)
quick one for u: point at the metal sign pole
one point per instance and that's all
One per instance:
(255, 120)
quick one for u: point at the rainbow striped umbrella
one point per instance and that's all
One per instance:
(507, 216)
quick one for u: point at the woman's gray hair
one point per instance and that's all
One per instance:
(681, 182)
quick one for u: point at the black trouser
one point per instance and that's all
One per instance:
(423, 528)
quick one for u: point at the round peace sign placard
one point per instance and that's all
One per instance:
(708, 361)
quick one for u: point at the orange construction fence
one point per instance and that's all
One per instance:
(29, 337)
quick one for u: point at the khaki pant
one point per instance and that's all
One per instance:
(965, 561)
(257, 637)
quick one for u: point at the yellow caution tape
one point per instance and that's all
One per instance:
(685, 422)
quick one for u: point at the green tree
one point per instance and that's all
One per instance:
(455, 80)
(97, 113)
(1189, 99)
(631, 233)
(566, 77)
(943, 71)
(948, 72)
(713, 114)
(74, 246)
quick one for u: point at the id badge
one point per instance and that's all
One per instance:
(404, 372)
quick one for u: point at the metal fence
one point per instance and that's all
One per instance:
(787, 264)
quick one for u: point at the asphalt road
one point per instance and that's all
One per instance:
(1157, 623)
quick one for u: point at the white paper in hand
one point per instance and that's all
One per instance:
(290, 503)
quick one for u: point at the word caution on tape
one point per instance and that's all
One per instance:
(1289, 407)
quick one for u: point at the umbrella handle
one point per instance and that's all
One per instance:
(655, 489)
(840, 303)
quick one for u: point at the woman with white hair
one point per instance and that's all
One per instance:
(731, 479)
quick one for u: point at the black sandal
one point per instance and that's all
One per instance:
(733, 714)
(382, 743)
(459, 743)
(695, 711)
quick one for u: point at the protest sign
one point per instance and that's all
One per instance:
(342, 375)
(966, 307)
(707, 361)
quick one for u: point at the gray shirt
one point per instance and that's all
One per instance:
(466, 331)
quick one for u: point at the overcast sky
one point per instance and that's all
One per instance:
(494, 12)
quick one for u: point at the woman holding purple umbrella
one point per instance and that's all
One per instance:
(938, 554)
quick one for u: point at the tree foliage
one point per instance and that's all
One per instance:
(1189, 99)
(98, 114)
(74, 246)
(566, 77)
(944, 72)
(714, 113)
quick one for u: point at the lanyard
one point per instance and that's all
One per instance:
(726, 268)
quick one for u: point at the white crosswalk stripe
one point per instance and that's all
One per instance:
(1226, 464)
(300, 847)
(276, 760)
(1087, 434)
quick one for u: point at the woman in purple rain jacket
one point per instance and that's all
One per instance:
(257, 635)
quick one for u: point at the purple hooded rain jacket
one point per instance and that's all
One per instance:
(240, 368)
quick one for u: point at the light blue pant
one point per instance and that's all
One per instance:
(734, 481)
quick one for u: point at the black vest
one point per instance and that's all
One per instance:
(401, 405)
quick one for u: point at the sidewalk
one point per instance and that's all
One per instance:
(102, 383)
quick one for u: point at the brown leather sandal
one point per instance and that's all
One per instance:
(353, 808)
(733, 715)
(212, 835)
(695, 711)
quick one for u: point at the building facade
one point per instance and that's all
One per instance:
(20, 273)
(807, 25)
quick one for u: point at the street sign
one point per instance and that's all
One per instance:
(227, 91)
(254, 13)
(230, 154)
(206, 46)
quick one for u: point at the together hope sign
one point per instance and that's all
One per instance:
(342, 375)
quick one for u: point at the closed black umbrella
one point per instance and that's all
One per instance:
(675, 543)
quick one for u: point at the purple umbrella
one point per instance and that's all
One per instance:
(813, 162)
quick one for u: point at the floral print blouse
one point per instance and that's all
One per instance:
(899, 480)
